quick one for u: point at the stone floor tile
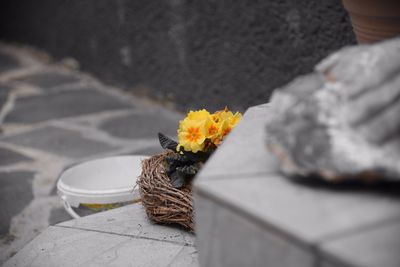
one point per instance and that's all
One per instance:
(48, 80)
(142, 125)
(62, 105)
(15, 194)
(244, 151)
(131, 220)
(309, 212)
(59, 141)
(379, 246)
(7, 62)
(5, 89)
(8, 157)
(58, 246)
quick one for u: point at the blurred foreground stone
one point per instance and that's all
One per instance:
(343, 120)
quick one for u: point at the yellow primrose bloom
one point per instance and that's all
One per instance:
(225, 129)
(234, 120)
(201, 130)
(212, 129)
(198, 115)
(222, 115)
(191, 135)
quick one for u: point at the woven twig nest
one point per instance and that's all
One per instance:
(164, 203)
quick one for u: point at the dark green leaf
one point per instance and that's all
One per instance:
(177, 179)
(188, 171)
(166, 142)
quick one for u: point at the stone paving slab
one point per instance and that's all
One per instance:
(145, 125)
(59, 246)
(8, 62)
(15, 194)
(59, 141)
(15, 60)
(370, 248)
(131, 220)
(118, 237)
(243, 158)
(48, 80)
(5, 89)
(63, 105)
(9, 157)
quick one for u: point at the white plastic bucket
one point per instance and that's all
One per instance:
(101, 181)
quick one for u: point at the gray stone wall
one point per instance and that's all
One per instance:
(190, 53)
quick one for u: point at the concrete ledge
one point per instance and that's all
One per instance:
(119, 237)
(249, 214)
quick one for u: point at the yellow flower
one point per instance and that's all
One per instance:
(201, 130)
(222, 115)
(234, 120)
(191, 135)
(198, 115)
(212, 128)
(225, 128)
(226, 121)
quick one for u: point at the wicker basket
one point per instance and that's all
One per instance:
(164, 203)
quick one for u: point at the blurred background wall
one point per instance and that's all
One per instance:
(190, 53)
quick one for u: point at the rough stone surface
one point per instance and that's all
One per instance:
(193, 53)
(376, 247)
(48, 80)
(341, 122)
(62, 105)
(59, 141)
(146, 125)
(8, 157)
(15, 194)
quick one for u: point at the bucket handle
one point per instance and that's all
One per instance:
(68, 208)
